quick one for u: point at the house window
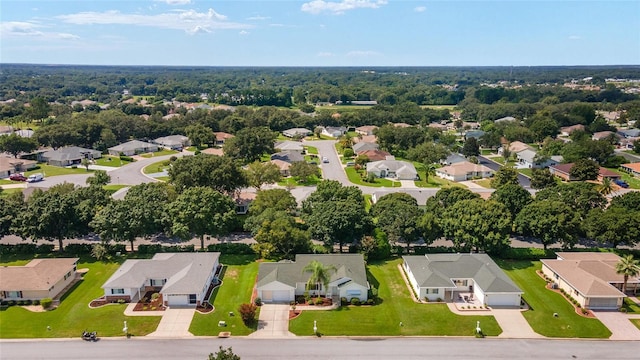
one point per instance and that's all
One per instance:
(14, 294)
(117, 291)
(435, 291)
(353, 292)
(192, 298)
(314, 286)
(158, 282)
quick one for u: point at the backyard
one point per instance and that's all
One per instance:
(113, 161)
(544, 303)
(74, 315)
(395, 315)
(237, 285)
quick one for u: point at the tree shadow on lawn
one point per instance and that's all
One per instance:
(514, 264)
(237, 259)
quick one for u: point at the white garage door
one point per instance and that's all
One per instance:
(178, 300)
(275, 296)
(502, 300)
(603, 303)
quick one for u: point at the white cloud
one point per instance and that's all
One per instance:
(361, 53)
(31, 29)
(243, 32)
(176, 2)
(258, 18)
(276, 25)
(325, 54)
(420, 9)
(319, 6)
(190, 21)
(575, 37)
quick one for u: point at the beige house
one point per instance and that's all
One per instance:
(39, 279)
(590, 278)
(9, 165)
(366, 130)
(463, 171)
(283, 166)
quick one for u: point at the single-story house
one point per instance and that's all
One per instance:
(283, 166)
(9, 165)
(181, 278)
(463, 171)
(297, 132)
(505, 119)
(358, 102)
(474, 134)
(632, 168)
(472, 125)
(133, 147)
(527, 159)
(629, 133)
(449, 276)
(601, 135)
(25, 133)
(221, 138)
(438, 126)
(366, 130)
(590, 278)
(173, 142)
(453, 158)
(374, 155)
(401, 125)
(563, 171)
(568, 130)
(364, 146)
(392, 168)
(71, 155)
(334, 131)
(38, 279)
(288, 156)
(243, 201)
(289, 145)
(283, 281)
(6, 129)
(514, 147)
(365, 138)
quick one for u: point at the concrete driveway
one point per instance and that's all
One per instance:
(619, 324)
(273, 322)
(175, 323)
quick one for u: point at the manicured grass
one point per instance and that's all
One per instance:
(163, 178)
(238, 280)
(156, 167)
(486, 152)
(635, 322)
(395, 306)
(355, 178)
(7, 192)
(159, 153)
(311, 150)
(191, 148)
(526, 172)
(631, 307)
(74, 315)
(485, 183)
(434, 181)
(113, 161)
(295, 181)
(8, 182)
(544, 303)
(49, 170)
(111, 188)
(634, 182)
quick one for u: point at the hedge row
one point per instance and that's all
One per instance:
(25, 249)
(232, 249)
(157, 248)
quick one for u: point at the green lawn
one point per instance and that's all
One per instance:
(487, 152)
(634, 182)
(355, 178)
(74, 315)
(395, 306)
(156, 167)
(111, 188)
(485, 183)
(311, 150)
(113, 161)
(544, 303)
(631, 307)
(295, 181)
(49, 170)
(6, 192)
(434, 181)
(238, 280)
(159, 153)
(526, 172)
(635, 322)
(8, 182)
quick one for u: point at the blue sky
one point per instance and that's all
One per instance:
(320, 32)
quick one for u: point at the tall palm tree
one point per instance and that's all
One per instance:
(430, 169)
(628, 267)
(320, 274)
(606, 187)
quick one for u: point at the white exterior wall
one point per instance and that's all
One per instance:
(345, 289)
(564, 285)
(412, 280)
(431, 296)
(276, 286)
(451, 177)
(174, 299)
(497, 299)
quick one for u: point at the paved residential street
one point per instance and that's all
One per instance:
(320, 348)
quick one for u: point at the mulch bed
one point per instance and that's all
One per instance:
(579, 310)
(312, 302)
(98, 302)
(149, 304)
(205, 308)
(293, 314)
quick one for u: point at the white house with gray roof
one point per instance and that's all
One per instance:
(392, 168)
(283, 281)
(297, 132)
(133, 147)
(447, 276)
(70, 155)
(182, 278)
(528, 159)
(173, 142)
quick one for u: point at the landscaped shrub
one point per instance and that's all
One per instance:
(258, 301)
(45, 249)
(155, 296)
(20, 302)
(232, 249)
(11, 303)
(28, 302)
(248, 313)
(126, 158)
(121, 301)
(149, 248)
(426, 299)
(300, 299)
(526, 254)
(344, 301)
(36, 302)
(370, 302)
(78, 249)
(439, 299)
(117, 248)
(355, 301)
(46, 303)
(319, 301)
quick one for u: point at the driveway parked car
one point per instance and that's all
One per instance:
(17, 177)
(621, 183)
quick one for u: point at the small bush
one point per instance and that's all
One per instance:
(126, 158)
(121, 301)
(28, 302)
(344, 301)
(319, 301)
(355, 301)
(439, 299)
(155, 296)
(248, 313)
(20, 302)
(153, 308)
(258, 301)
(46, 303)
(370, 302)
(426, 299)
(11, 303)
(300, 299)
(36, 302)
(232, 249)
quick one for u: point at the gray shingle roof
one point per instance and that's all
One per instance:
(290, 272)
(437, 270)
(70, 153)
(364, 146)
(186, 273)
(288, 156)
(133, 145)
(172, 140)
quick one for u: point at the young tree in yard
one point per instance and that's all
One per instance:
(606, 186)
(99, 178)
(477, 224)
(514, 197)
(14, 144)
(542, 178)
(549, 221)
(398, 215)
(86, 163)
(615, 226)
(250, 143)
(199, 135)
(201, 211)
(471, 147)
(248, 313)
(303, 171)
(320, 275)
(505, 175)
(224, 354)
(627, 267)
(584, 169)
(262, 173)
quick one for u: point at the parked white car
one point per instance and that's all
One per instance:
(35, 177)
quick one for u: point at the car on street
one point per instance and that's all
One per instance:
(17, 177)
(325, 160)
(35, 177)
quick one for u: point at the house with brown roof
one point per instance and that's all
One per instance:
(283, 166)
(365, 138)
(632, 168)
(39, 279)
(221, 138)
(375, 155)
(590, 278)
(464, 170)
(366, 130)
(568, 130)
(514, 147)
(563, 171)
(9, 165)
(601, 135)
